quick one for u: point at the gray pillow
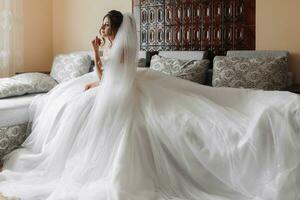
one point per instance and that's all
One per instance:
(40, 82)
(12, 137)
(69, 66)
(268, 73)
(193, 70)
(10, 87)
(142, 62)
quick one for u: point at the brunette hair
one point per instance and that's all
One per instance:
(116, 19)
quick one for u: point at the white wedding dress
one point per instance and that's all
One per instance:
(142, 135)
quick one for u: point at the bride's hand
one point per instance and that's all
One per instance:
(91, 85)
(96, 44)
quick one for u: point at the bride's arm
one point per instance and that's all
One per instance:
(99, 69)
(91, 85)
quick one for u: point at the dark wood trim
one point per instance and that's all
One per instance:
(295, 88)
(44, 72)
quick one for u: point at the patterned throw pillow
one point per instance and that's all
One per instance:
(69, 66)
(267, 73)
(40, 82)
(10, 87)
(142, 62)
(12, 137)
(193, 70)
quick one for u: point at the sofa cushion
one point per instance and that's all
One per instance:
(10, 87)
(40, 82)
(12, 137)
(26, 83)
(268, 73)
(193, 70)
(69, 66)
(142, 62)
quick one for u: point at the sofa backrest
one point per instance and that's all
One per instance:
(184, 55)
(257, 54)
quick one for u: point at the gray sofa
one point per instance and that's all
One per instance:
(14, 116)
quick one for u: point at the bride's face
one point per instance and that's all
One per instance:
(105, 28)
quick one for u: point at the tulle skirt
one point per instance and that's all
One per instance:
(164, 139)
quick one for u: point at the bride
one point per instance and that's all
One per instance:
(141, 135)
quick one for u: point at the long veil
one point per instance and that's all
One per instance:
(75, 144)
(110, 119)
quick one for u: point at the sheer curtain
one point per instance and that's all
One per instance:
(11, 36)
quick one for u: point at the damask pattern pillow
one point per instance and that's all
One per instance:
(10, 87)
(267, 73)
(142, 62)
(193, 70)
(12, 137)
(40, 82)
(69, 66)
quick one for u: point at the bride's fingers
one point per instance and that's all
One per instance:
(94, 41)
(87, 87)
(98, 41)
(100, 69)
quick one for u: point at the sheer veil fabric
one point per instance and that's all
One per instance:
(142, 135)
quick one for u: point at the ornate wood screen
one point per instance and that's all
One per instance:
(214, 25)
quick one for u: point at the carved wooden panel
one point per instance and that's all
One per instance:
(214, 25)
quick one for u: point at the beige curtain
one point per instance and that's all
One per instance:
(11, 37)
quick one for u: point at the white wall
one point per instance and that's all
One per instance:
(38, 51)
(278, 28)
(76, 22)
